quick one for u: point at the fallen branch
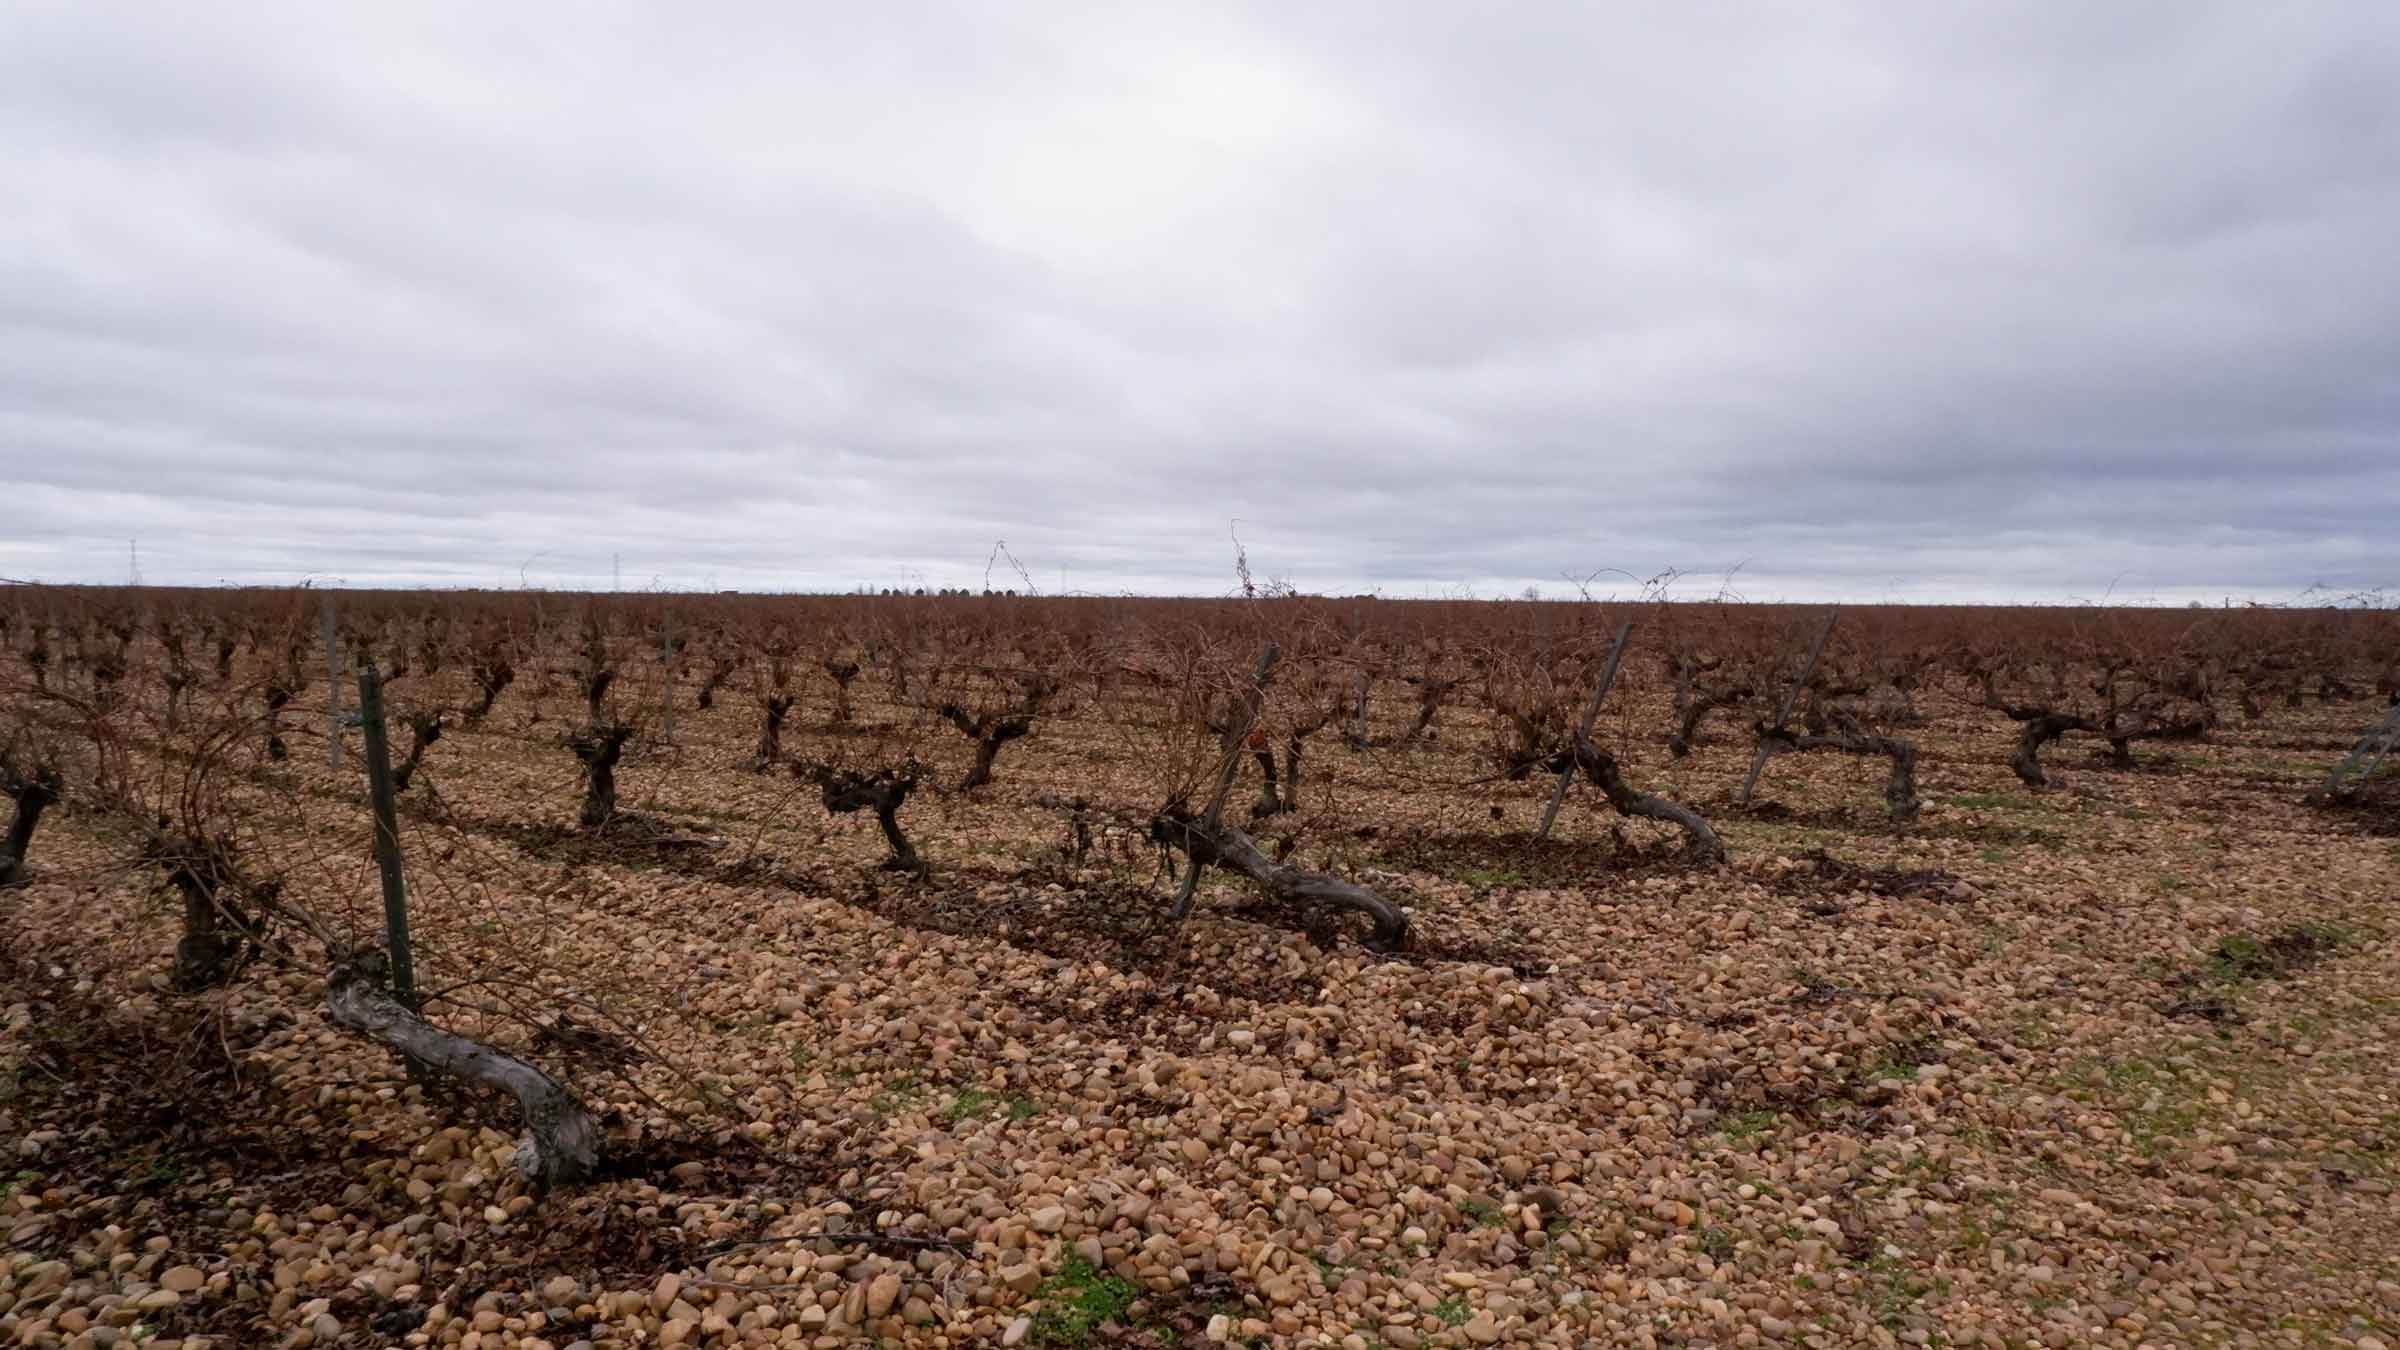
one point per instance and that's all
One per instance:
(1601, 769)
(1206, 842)
(562, 1139)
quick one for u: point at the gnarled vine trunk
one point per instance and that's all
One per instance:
(1431, 694)
(424, 729)
(2122, 729)
(215, 925)
(770, 733)
(718, 674)
(492, 675)
(600, 747)
(843, 672)
(1900, 790)
(2042, 726)
(884, 792)
(1696, 710)
(277, 696)
(33, 792)
(989, 731)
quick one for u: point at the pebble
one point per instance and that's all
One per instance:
(1359, 1148)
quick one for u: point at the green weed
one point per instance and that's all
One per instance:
(1078, 1301)
(1893, 1064)
(1751, 1126)
(900, 1092)
(1494, 878)
(2244, 956)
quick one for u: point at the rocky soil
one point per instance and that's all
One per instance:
(2104, 1065)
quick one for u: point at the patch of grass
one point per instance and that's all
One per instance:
(1493, 878)
(2153, 1106)
(1483, 1212)
(970, 1102)
(163, 1171)
(1996, 938)
(1991, 801)
(2128, 1074)
(900, 1092)
(1996, 856)
(2246, 956)
(1751, 1126)
(1924, 1167)
(1452, 1311)
(2151, 1128)
(1077, 1301)
(1717, 1242)
(1895, 1063)
(2030, 1026)
(1894, 1287)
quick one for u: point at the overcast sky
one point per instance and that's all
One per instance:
(1885, 301)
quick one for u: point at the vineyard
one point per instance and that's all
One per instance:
(994, 970)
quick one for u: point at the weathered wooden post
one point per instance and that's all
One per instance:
(2365, 757)
(333, 685)
(1783, 714)
(666, 655)
(387, 835)
(1583, 730)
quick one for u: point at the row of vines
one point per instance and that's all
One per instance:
(187, 720)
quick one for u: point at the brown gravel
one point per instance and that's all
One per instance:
(1954, 1083)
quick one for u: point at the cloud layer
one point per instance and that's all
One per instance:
(1906, 302)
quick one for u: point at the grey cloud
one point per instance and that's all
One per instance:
(1871, 302)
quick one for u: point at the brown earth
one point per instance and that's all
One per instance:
(2102, 1065)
